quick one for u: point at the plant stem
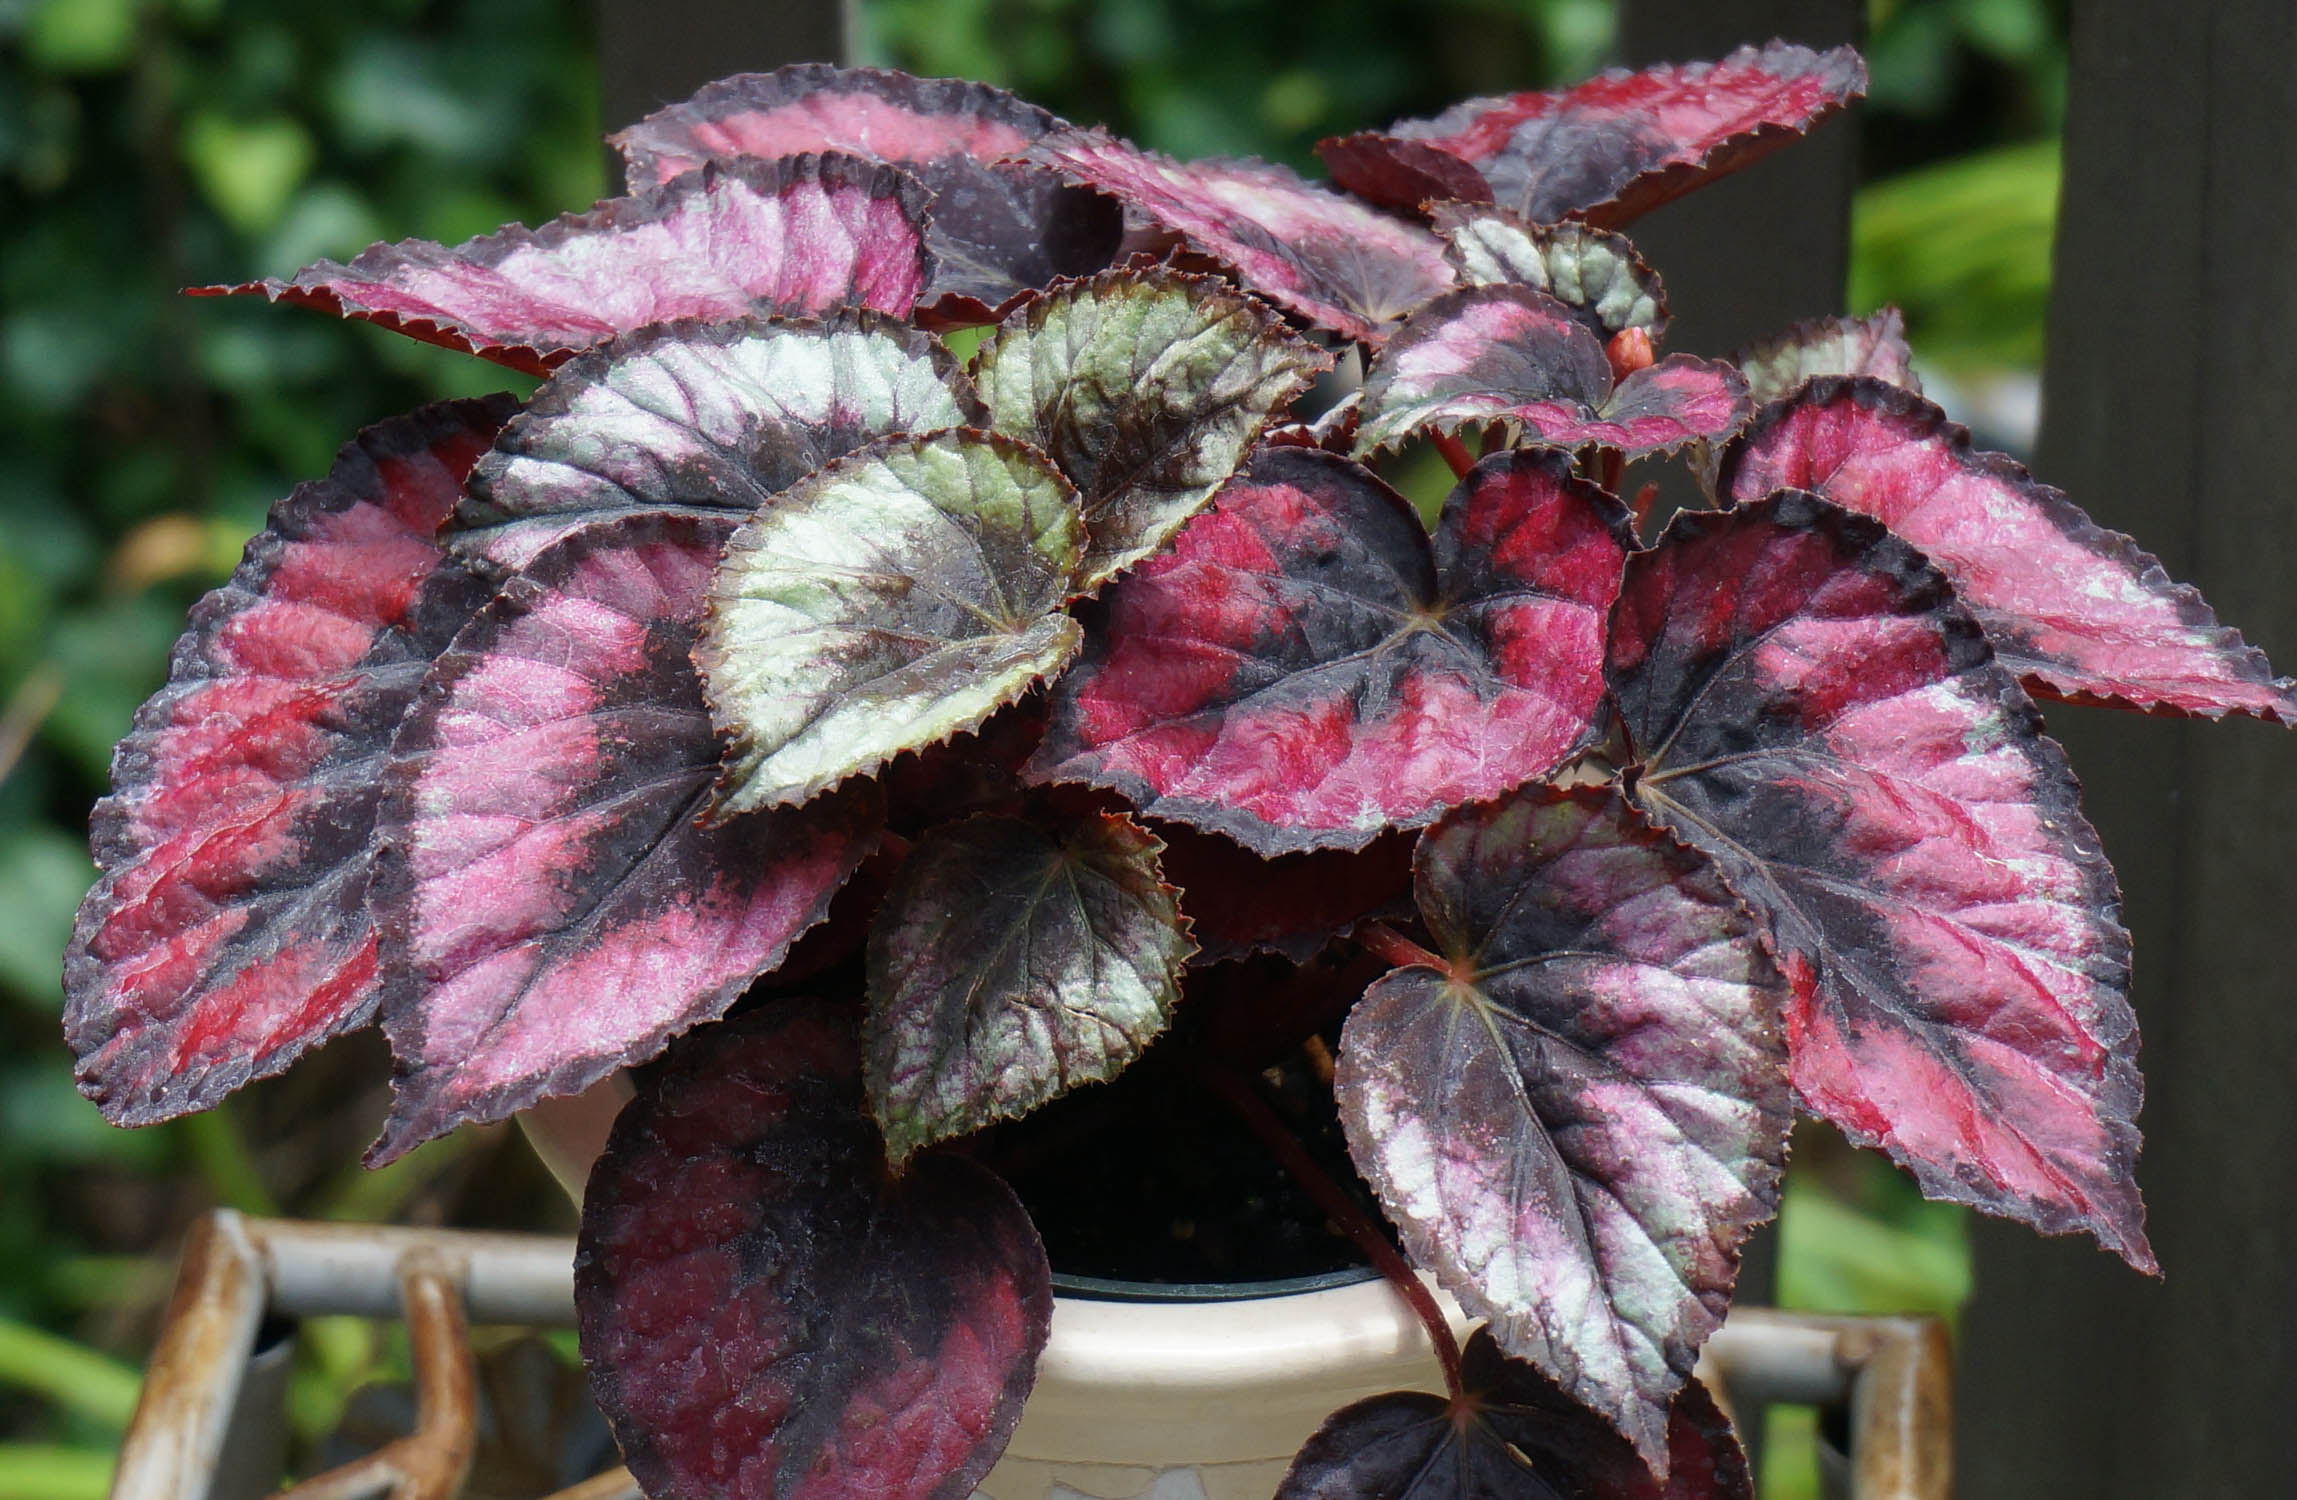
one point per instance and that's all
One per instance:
(1343, 1211)
(1454, 451)
(1396, 948)
(72, 1376)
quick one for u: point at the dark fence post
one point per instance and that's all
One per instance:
(655, 52)
(2172, 374)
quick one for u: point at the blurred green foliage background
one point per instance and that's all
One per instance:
(149, 145)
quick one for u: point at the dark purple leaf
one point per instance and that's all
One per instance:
(711, 419)
(1806, 701)
(1002, 231)
(1874, 345)
(2079, 612)
(1147, 389)
(551, 909)
(229, 931)
(1010, 964)
(1613, 147)
(1595, 273)
(1314, 252)
(799, 237)
(1519, 1438)
(1293, 904)
(767, 1312)
(897, 597)
(1302, 670)
(1577, 1125)
(1507, 354)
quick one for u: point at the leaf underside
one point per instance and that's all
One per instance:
(551, 908)
(800, 237)
(1241, 903)
(1322, 255)
(1303, 670)
(765, 1314)
(1874, 345)
(2077, 611)
(229, 931)
(1010, 964)
(897, 597)
(1576, 1127)
(1809, 705)
(1523, 1440)
(1609, 149)
(713, 419)
(1146, 389)
(1595, 273)
(1507, 354)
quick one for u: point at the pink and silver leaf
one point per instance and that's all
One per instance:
(1505, 354)
(1343, 267)
(768, 1313)
(1595, 273)
(1518, 1438)
(1576, 1124)
(1147, 389)
(1805, 700)
(703, 418)
(229, 931)
(1609, 149)
(1873, 345)
(800, 237)
(2077, 611)
(899, 596)
(1011, 963)
(551, 909)
(1304, 670)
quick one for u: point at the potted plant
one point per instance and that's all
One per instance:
(937, 770)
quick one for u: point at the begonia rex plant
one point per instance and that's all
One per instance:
(916, 737)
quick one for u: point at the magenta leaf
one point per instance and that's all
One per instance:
(1576, 1125)
(229, 931)
(1293, 904)
(1147, 389)
(1614, 147)
(1806, 701)
(1595, 273)
(551, 909)
(1510, 355)
(767, 1312)
(1873, 345)
(1320, 254)
(2077, 611)
(882, 604)
(1302, 670)
(1010, 964)
(799, 237)
(711, 419)
(1519, 1438)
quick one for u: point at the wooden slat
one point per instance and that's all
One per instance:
(2171, 375)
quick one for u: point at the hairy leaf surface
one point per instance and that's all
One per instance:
(1595, 273)
(1147, 389)
(897, 597)
(1523, 1439)
(1510, 355)
(802, 236)
(2076, 610)
(551, 909)
(229, 931)
(1873, 345)
(997, 229)
(1302, 670)
(1609, 149)
(709, 418)
(1577, 1125)
(1320, 254)
(766, 1313)
(1806, 701)
(1010, 964)
(1241, 903)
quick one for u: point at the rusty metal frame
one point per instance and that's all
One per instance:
(1889, 1377)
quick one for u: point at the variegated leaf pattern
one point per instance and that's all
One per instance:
(1873, 345)
(1595, 273)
